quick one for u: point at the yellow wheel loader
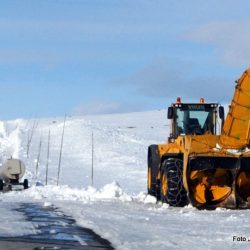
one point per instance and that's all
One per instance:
(201, 163)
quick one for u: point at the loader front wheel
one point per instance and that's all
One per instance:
(172, 188)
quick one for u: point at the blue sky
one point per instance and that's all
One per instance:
(107, 56)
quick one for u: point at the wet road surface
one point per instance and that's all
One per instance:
(55, 231)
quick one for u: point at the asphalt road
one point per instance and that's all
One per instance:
(56, 231)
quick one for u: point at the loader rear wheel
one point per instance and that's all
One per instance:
(150, 181)
(153, 166)
(172, 188)
(153, 184)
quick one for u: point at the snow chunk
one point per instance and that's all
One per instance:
(150, 199)
(146, 198)
(113, 190)
(141, 197)
(47, 204)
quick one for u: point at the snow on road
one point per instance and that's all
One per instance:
(117, 207)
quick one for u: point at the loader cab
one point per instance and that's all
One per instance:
(194, 118)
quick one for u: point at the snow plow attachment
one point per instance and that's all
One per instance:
(219, 182)
(211, 181)
(198, 165)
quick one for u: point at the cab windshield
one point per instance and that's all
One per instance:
(195, 119)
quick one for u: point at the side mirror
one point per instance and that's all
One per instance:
(221, 113)
(170, 112)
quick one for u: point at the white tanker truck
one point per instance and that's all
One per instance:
(10, 174)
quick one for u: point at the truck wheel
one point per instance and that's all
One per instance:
(172, 188)
(153, 167)
(1, 185)
(25, 184)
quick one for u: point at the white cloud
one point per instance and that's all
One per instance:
(105, 107)
(231, 40)
(170, 78)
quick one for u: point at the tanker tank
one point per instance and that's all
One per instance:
(11, 172)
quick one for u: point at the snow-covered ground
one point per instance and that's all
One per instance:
(116, 206)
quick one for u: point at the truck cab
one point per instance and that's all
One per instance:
(194, 118)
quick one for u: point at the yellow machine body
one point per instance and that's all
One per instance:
(215, 167)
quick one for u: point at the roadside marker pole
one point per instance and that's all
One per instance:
(60, 157)
(47, 164)
(38, 156)
(30, 135)
(92, 166)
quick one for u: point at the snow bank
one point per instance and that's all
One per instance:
(109, 192)
(10, 142)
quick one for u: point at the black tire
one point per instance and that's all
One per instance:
(153, 168)
(25, 184)
(1, 185)
(172, 188)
